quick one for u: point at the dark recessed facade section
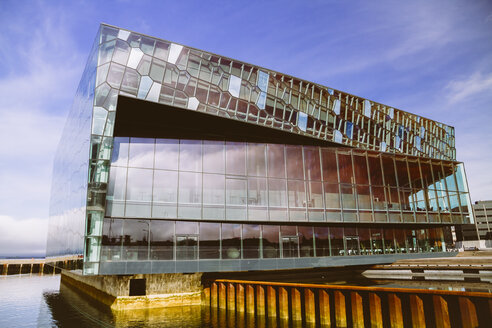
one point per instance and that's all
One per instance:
(138, 118)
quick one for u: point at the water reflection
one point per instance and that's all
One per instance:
(30, 301)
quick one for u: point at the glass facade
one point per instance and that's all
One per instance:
(120, 200)
(220, 180)
(161, 241)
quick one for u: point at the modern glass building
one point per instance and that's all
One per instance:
(174, 159)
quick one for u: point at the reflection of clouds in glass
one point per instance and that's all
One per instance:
(166, 154)
(141, 153)
(186, 227)
(213, 156)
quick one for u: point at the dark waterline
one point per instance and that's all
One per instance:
(40, 301)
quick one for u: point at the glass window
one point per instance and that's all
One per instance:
(213, 196)
(312, 163)
(364, 197)
(377, 241)
(336, 238)
(186, 247)
(257, 199)
(406, 198)
(329, 163)
(351, 241)
(231, 241)
(414, 170)
(389, 171)
(120, 151)
(112, 237)
(236, 196)
(402, 172)
(165, 195)
(256, 160)
(277, 198)
(348, 197)
(427, 174)
(400, 241)
(141, 153)
(294, 162)
(209, 240)
(161, 240)
(315, 201)
(166, 154)
(115, 205)
(345, 168)
(136, 236)
(190, 155)
(375, 171)
(297, 199)
(422, 240)
(271, 246)
(276, 161)
(183, 227)
(322, 241)
(306, 240)
(139, 193)
(213, 157)
(236, 158)
(190, 195)
(365, 241)
(332, 199)
(389, 241)
(360, 169)
(251, 241)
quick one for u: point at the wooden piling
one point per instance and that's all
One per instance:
(240, 298)
(250, 299)
(468, 313)
(222, 296)
(272, 302)
(309, 306)
(357, 310)
(295, 301)
(340, 312)
(214, 302)
(396, 316)
(231, 297)
(206, 296)
(441, 312)
(324, 308)
(260, 301)
(283, 303)
(417, 311)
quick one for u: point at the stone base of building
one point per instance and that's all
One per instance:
(141, 291)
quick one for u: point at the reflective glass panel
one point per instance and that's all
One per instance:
(251, 241)
(271, 247)
(190, 155)
(136, 240)
(166, 154)
(141, 153)
(161, 240)
(213, 157)
(209, 241)
(231, 241)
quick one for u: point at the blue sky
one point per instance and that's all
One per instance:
(432, 58)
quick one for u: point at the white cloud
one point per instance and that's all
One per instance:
(460, 90)
(23, 237)
(39, 76)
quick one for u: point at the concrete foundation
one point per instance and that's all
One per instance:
(153, 290)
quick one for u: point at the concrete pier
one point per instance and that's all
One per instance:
(142, 291)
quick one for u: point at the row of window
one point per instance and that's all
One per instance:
(130, 239)
(288, 161)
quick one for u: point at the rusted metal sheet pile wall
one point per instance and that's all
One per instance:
(253, 303)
